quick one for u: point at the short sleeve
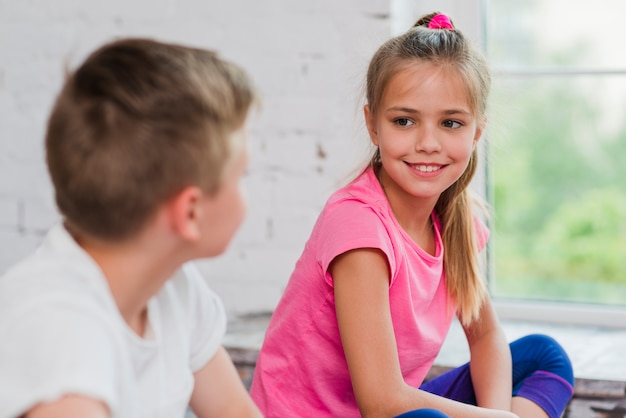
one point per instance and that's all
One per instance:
(348, 225)
(54, 349)
(208, 319)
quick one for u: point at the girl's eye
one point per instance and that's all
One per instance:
(403, 122)
(452, 124)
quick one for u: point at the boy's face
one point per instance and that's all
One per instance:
(226, 209)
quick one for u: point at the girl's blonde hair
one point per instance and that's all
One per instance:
(450, 50)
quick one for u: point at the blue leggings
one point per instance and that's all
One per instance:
(542, 372)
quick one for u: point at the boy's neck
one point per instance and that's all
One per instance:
(135, 271)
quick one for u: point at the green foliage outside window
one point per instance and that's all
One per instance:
(559, 190)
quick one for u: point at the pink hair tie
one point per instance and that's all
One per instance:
(440, 22)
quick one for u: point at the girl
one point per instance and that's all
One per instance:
(394, 256)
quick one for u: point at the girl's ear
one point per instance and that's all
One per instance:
(371, 124)
(185, 213)
(480, 129)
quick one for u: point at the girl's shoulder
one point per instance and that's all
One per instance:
(363, 189)
(359, 209)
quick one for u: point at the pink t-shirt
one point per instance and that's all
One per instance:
(301, 369)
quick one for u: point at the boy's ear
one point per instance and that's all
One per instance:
(371, 124)
(185, 213)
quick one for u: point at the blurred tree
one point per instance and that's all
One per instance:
(585, 238)
(559, 193)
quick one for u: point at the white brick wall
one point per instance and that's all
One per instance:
(308, 59)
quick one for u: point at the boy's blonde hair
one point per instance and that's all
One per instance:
(137, 122)
(451, 51)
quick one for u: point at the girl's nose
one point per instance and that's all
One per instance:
(427, 140)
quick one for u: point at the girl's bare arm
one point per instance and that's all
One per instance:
(361, 287)
(490, 363)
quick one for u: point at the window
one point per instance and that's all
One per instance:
(557, 138)
(557, 176)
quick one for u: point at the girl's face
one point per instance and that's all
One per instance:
(424, 130)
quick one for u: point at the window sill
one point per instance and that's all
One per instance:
(562, 313)
(597, 352)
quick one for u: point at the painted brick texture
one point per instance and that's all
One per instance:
(308, 60)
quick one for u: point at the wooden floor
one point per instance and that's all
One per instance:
(597, 398)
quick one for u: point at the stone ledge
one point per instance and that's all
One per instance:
(592, 398)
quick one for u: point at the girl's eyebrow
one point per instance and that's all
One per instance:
(401, 109)
(415, 111)
(456, 112)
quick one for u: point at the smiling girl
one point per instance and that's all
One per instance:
(394, 256)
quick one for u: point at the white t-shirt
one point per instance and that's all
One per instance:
(61, 333)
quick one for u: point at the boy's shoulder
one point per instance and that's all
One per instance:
(59, 278)
(56, 267)
(58, 314)
(54, 322)
(59, 271)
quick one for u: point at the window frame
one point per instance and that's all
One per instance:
(472, 15)
(545, 311)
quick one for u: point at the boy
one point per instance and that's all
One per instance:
(146, 150)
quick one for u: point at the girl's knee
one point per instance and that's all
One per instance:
(540, 343)
(539, 339)
(546, 353)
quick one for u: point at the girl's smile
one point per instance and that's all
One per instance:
(425, 132)
(426, 170)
